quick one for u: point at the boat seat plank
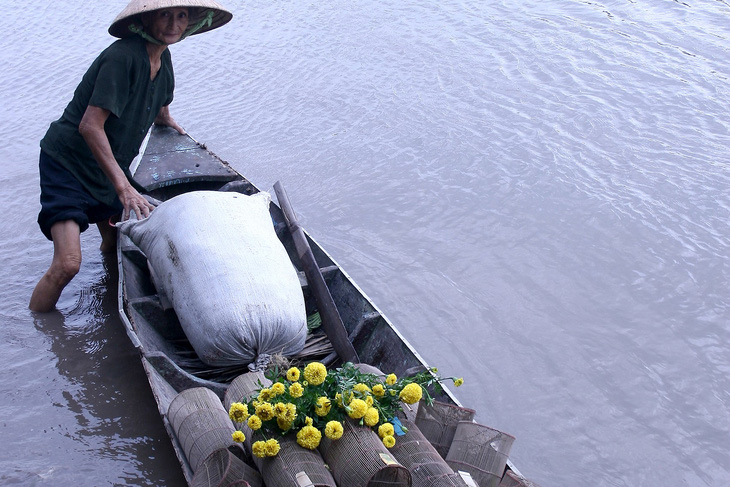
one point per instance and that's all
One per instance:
(151, 311)
(185, 166)
(367, 322)
(135, 256)
(167, 139)
(239, 186)
(136, 279)
(176, 377)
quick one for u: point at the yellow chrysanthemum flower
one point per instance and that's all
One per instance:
(386, 429)
(271, 447)
(292, 375)
(361, 388)
(357, 408)
(254, 422)
(458, 382)
(309, 437)
(259, 449)
(391, 379)
(369, 401)
(238, 412)
(296, 390)
(371, 417)
(265, 411)
(411, 394)
(280, 410)
(278, 389)
(291, 412)
(389, 441)
(334, 430)
(238, 436)
(315, 373)
(378, 390)
(265, 395)
(283, 424)
(323, 406)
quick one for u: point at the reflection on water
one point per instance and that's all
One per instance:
(98, 413)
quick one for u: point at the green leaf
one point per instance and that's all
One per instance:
(314, 321)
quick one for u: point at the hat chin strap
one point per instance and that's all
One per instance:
(207, 20)
(140, 32)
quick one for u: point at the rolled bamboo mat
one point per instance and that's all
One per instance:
(438, 423)
(359, 459)
(427, 467)
(200, 423)
(223, 469)
(480, 450)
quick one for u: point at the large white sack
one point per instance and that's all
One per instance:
(217, 258)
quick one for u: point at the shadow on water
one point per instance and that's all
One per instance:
(116, 415)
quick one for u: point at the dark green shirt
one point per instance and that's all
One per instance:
(118, 81)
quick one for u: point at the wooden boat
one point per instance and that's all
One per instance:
(172, 164)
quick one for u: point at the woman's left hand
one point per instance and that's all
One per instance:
(164, 118)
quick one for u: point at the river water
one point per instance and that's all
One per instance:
(536, 194)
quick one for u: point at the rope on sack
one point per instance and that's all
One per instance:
(260, 364)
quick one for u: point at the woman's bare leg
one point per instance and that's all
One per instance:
(65, 265)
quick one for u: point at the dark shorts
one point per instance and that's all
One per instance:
(64, 198)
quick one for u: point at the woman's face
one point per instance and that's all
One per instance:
(168, 24)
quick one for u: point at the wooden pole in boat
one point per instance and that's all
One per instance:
(331, 320)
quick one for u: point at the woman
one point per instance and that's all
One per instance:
(85, 155)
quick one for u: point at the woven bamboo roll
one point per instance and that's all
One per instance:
(480, 450)
(205, 431)
(359, 459)
(293, 465)
(191, 400)
(243, 387)
(200, 423)
(438, 423)
(427, 467)
(223, 469)
(369, 369)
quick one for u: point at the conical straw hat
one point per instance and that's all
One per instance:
(120, 26)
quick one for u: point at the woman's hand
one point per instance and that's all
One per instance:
(164, 118)
(134, 202)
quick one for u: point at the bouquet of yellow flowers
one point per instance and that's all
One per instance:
(315, 401)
